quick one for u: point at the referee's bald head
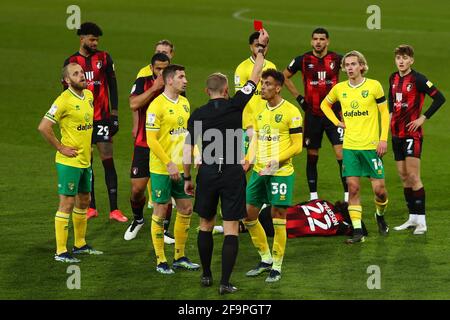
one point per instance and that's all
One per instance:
(217, 83)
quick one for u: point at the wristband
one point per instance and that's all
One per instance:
(187, 178)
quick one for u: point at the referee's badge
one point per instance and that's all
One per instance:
(247, 89)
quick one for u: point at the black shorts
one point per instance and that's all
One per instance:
(228, 186)
(100, 131)
(140, 166)
(313, 129)
(406, 147)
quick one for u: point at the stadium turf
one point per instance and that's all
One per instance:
(212, 36)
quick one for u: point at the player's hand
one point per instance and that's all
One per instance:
(381, 148)
(114, 125)
(263, 37)
(341, 125)
(68, 151)
(189, 188)
(416, 124)
(245, 165)
(159, 82)
(270, 168)
(173, 171)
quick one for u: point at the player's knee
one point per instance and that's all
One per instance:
(185, 210)
(380, 192)
(137, 192)
(413, 179)
(353, 188)
(66, 204)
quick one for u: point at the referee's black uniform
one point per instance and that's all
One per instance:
(221, 174)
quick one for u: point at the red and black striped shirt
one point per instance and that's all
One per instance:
(141, 85)
(315, 218)
(406, 97)
(100, 76)
(319, 76)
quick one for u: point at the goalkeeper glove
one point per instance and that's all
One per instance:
(301, 101)
(114, 125)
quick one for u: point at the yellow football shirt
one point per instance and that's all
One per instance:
(272, 127)
(241, 76)
(144, 72)
(74, 115)
(170, 119)
(360, 112)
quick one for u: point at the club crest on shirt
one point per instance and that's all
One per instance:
(409, 87)
(87, 117)
(186, 108)
(331, 65)
(135, 170)
(99, 65)
(365, 93)
(310, 66)
(278, 118)
(91, 103)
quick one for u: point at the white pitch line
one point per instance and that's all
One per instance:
(238, 16)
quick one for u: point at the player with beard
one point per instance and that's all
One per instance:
(320, 72)
(73, 111)
(101, 81)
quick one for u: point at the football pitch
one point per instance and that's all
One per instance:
(212, 36)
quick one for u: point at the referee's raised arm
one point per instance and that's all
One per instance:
(263, 40)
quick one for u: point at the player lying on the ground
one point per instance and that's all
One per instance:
(312, 218)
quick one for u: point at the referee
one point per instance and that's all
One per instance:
(218, 126)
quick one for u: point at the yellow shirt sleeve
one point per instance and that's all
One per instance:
(327, 105)
(56, 111)
(154, 117)
(240, 77)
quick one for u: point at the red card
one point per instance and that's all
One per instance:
(257, 24)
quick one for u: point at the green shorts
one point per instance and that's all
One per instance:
(275, 190)
(362, 163)
(164, 188)
(73, 180)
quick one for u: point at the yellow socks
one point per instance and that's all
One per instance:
(181, 230)
(158, 238)
(381, 206)
(279, 242)
(355, 213)
(79, 220)
(62, 231)
(259, 239)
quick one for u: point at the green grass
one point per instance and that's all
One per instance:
(207, 37)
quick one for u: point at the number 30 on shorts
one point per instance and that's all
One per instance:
(279, 188)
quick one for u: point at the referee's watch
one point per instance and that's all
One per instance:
(187, 178)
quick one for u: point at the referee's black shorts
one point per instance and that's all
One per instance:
(228, 186)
